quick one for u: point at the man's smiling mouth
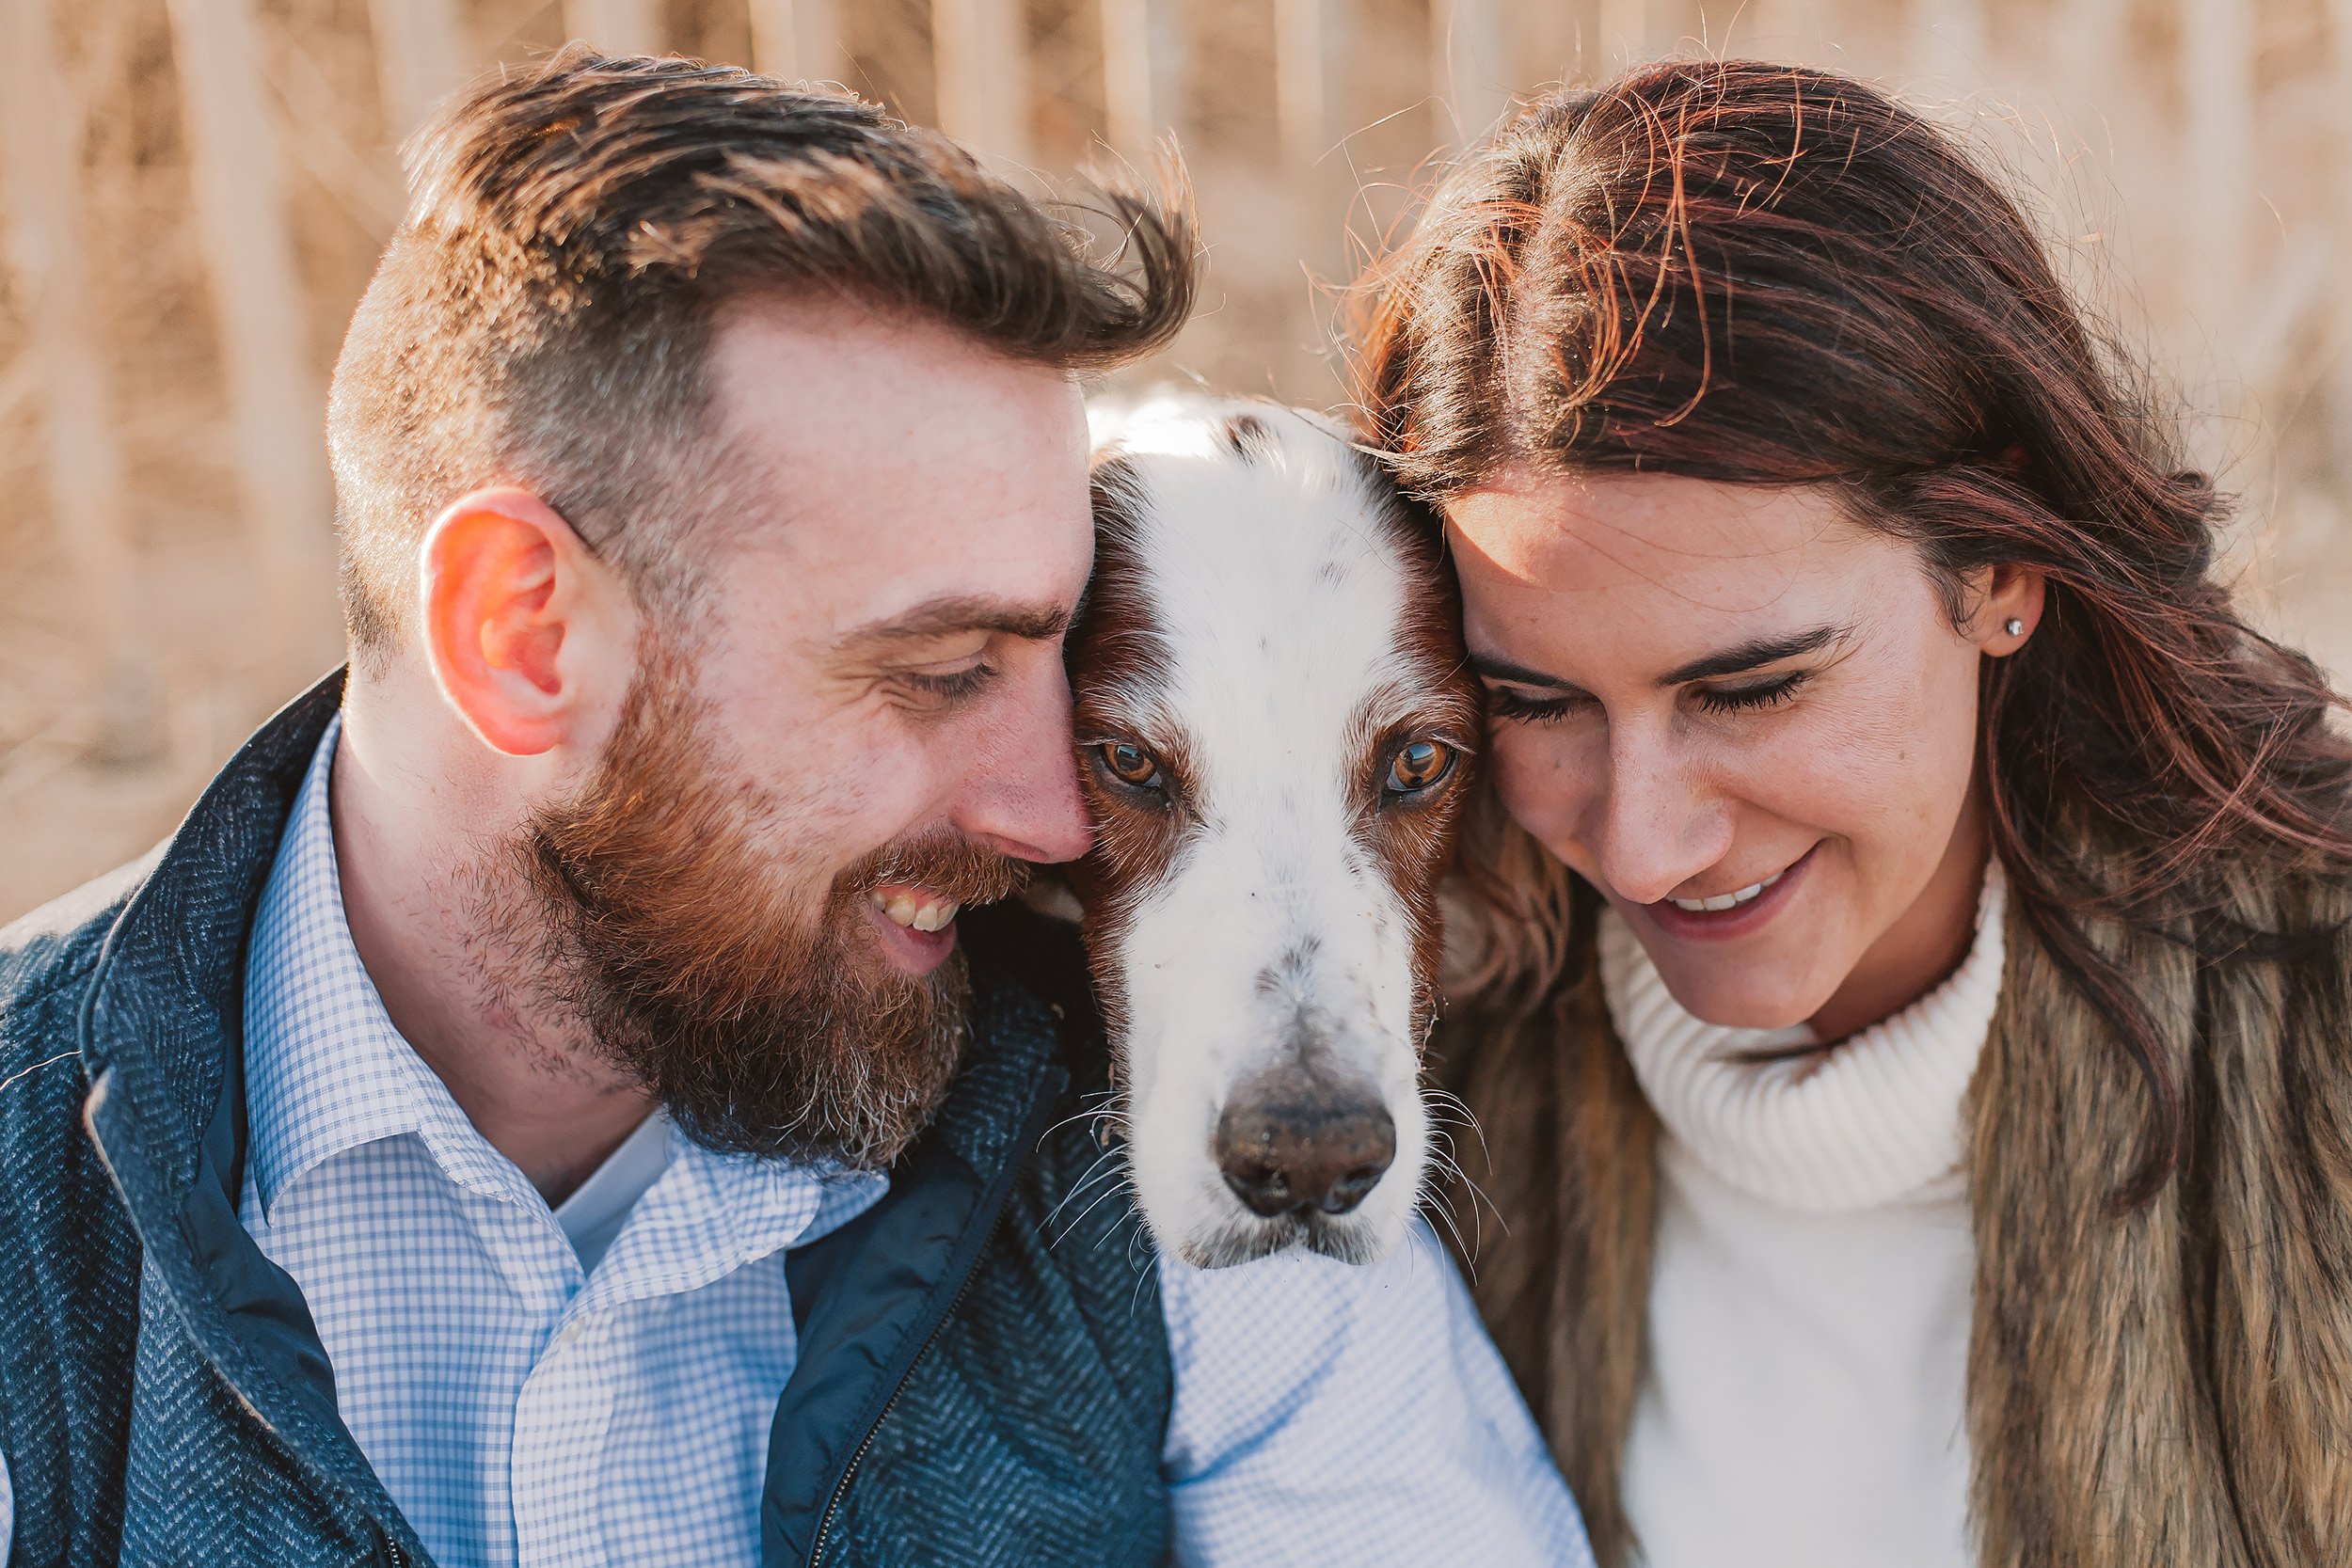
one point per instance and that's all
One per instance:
(913, 908)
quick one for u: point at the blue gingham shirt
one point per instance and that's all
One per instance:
(523, 1409)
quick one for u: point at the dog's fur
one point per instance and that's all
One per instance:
(2165, 1384)
(1272, 622)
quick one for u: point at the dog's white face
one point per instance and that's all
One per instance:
(1275, 730)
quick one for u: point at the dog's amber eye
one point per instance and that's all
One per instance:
(1420, 764)
(1130, 764)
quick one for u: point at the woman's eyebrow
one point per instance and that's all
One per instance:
(1490, 668)
(1756, 654)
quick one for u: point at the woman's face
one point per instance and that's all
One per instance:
(1745, 719)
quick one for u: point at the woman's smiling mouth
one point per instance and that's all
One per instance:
(1722, 901)
(1721, 916)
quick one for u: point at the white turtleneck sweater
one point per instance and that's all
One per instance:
(1808, 1310)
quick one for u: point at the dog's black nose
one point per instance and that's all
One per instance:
(1293, 1140)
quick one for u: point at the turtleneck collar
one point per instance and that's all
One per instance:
(1876, 1121)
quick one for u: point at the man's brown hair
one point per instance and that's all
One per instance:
(544, 315)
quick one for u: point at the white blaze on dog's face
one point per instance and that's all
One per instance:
(1275, 728)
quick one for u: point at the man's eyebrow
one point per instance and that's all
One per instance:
(1754, 655)
(944, 617)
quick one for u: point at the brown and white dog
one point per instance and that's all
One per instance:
(1275, 729)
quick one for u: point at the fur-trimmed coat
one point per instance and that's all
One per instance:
(2162, 1384)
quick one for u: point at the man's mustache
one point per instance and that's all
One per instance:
(944, 863)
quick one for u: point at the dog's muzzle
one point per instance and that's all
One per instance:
(1294, 1140)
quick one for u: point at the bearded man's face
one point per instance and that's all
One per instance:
(751, 903)
(747, 995)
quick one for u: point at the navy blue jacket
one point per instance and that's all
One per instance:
(970, 1390)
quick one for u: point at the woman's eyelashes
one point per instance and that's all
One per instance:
(1507, 703)
(1753, 695)
(1510, 704)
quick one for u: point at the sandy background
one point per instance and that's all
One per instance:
(2192, 160)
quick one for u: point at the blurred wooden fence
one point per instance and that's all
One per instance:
(192, 192)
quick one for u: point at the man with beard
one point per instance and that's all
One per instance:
(538, 1108)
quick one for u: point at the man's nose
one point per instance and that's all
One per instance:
(1020, 793)
(1660, 824)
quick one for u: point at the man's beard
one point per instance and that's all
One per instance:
(766, 1025)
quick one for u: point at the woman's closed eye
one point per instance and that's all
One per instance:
(1752, 695)
(1518, 704)
(1527, 707)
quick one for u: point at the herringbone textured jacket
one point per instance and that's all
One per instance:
(967, 1394)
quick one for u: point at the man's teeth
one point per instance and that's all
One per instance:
(1723, 901)
(906, 910)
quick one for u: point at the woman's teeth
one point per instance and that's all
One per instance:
(1723, 901)
(905, 909)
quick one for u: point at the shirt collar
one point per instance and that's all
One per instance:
(326, 1070)
(324, 1064)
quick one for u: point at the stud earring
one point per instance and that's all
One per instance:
(2014, 627)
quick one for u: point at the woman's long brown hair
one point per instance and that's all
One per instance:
(1773, 276)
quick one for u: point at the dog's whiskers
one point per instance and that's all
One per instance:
(1259, 680)
(1103, 1171)
(1123, 1184)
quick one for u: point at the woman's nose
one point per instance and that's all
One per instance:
(1659, 825)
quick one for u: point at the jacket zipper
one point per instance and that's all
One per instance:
(1032, 1130)
(841, 1488)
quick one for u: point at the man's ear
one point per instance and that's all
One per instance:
(531, 637)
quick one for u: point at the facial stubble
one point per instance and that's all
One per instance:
(762, 1014)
